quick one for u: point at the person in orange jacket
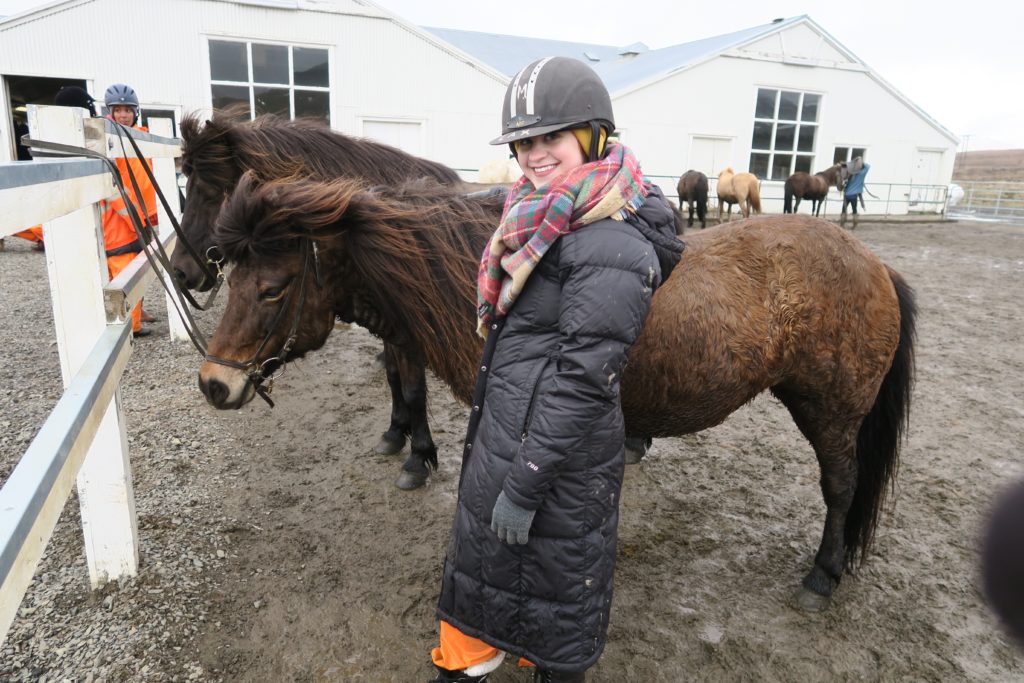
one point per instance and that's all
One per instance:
(119, 236)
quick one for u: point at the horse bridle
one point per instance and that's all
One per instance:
(255, 370)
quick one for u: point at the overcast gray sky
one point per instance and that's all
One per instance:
(962, 65)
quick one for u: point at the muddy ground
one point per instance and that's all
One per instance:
(327, 572)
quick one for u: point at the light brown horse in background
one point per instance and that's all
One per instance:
(743, 189)
(789, 304)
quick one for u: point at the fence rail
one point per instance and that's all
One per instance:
(882, 199)
(994, 200)
(83, 441)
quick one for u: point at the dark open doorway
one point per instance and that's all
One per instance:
(26, 90)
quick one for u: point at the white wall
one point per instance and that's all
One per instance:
(718, 99)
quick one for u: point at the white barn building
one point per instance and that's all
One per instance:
(366, 71)
(772, 99)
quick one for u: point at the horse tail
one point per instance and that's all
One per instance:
(881, 433)
(754, 197)
(787, 198)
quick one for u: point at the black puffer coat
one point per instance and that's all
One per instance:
(547, 429)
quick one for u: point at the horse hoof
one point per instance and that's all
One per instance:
(388, 446)
(809, 601)
(634, 455)
(408, 481)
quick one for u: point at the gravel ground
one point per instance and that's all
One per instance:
(274, 548)
(143, 628)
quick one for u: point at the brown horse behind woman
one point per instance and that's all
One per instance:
(743, 189)
(793, 305)
(216, 153)
(693, 189)
(815, 187)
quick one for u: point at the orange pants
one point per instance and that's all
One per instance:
(115, 264)
(459, 651)
(34, 234)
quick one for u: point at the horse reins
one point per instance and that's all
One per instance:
(152, 248)
(254, 369)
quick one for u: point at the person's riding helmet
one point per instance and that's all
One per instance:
(552, 94)
(75, 96)
(123, 95)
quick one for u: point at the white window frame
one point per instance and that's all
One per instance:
(849, 152)
(251, 83)
(775, 121)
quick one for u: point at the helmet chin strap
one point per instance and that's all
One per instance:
(595, 140)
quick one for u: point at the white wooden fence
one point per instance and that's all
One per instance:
(83, 440)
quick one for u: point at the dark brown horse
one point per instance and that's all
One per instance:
(693, 189)
(815, 187)
(790, 304)
(214, 157)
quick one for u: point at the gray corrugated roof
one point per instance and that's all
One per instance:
(508, 54)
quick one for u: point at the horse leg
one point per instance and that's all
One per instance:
(422, 451)
(636, 448)
(393, 440)
(702, 212)
(835, 444)
(689, 221)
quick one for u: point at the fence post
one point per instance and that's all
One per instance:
(167, 178)
(77, 268)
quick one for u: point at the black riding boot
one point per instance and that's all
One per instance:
(542, 676)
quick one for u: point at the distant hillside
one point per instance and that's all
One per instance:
(1001, 164)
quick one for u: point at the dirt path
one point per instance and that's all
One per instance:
(274, 547)
(717, 528)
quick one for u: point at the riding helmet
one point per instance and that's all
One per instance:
(551, 94)
(75, 96)
(119, 93)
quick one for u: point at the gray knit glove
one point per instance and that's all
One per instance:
(511, 522)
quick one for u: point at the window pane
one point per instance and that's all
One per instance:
(272, 101)
(762, 135)
(805, 143)
(788, 105)
(228, 61)
(785, 135)
(310, 67)
(810, 110)
(765, 103)
(269, 63)
(803, 163)
(857, 152)
(226, 95)
(841, 154)
(759, 165)
(781, 165)
(313, 104)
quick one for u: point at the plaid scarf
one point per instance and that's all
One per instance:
(534, 219)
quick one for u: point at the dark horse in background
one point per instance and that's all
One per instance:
(815, 187)
(214, 157)
(790, 304)
(693, 189)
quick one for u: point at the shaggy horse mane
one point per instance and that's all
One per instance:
(371, 230)
(276, 148)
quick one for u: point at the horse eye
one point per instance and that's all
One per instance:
(271, 293)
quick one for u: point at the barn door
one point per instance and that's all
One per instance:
(710, 155)
(405, 135)
(926, 192)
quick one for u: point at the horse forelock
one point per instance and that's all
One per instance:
(207, 152)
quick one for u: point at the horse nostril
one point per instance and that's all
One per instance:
(180, 276)
(216, 392)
